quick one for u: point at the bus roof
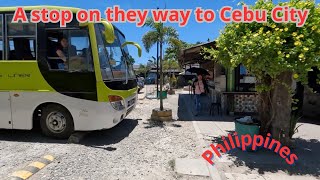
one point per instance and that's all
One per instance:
(29, 8)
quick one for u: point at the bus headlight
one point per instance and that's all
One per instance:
(117, 102)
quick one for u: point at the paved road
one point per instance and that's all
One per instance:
(134, 149)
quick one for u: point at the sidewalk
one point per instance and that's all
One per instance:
(143, 92)
(263, 164)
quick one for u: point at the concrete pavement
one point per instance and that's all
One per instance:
(263, 164)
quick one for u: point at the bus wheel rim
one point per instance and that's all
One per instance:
(56, 122)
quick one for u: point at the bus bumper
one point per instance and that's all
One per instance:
(103, 116)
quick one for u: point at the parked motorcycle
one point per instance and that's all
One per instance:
(140, 82)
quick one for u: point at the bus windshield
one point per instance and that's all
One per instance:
(113, 58)
(127, 55)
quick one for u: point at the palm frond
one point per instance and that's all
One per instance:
(149, 23)
(175, 42)
(170, 31)
(149, 39)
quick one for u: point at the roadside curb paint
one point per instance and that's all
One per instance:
(32, 168)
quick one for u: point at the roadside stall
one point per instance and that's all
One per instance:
(233, 90)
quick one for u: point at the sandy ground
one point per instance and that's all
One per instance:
(134, 149)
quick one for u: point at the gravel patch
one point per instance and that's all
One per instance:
(135, 149)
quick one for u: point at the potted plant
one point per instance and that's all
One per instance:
(173, 82)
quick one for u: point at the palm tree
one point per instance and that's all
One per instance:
(161, 34)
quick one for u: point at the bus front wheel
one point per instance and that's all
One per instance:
(56, 121)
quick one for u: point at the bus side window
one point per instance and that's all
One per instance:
(82, 61)
(75, 49)
(51, 49)
(21, 40)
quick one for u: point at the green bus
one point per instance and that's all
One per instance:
(92, 86)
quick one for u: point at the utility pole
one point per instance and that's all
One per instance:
(157, 64)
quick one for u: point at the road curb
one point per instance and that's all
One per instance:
(213, 170)
(32, 168)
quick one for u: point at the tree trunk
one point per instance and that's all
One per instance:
(281, 102)
(299, 94)
(161, 77)
(264, 108)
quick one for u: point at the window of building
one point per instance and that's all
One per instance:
(1, 37)
(21, 40)
(245, 82)
(69, 50)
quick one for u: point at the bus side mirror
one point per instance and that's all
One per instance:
(108, 32)
(134, 44)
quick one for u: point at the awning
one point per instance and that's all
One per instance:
(192, 55)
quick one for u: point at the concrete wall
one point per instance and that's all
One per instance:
(245, 103)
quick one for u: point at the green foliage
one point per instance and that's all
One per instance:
(172, 52)
(173, 81)
(131, 59)
(170, 64)
(158, 33)
(269, 49)
(143, 70)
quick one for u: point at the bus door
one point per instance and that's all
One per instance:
(5, 111)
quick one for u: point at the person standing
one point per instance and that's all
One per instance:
(64, 51)
(199, 85)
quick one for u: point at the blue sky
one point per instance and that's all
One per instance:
(191, 33)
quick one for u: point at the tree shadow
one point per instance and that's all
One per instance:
(265, 160)
(152, 124)
(160, 124)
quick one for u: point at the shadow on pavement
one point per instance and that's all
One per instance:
(186, 109)
(141, 92)
(94, 138)
(34, 135)
(110, 136)
(265, 160)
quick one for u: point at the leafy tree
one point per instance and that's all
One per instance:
(175, 47)
(162, 34)
(131, 59)
(170, 64)
(143, 70)
(276, 53)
